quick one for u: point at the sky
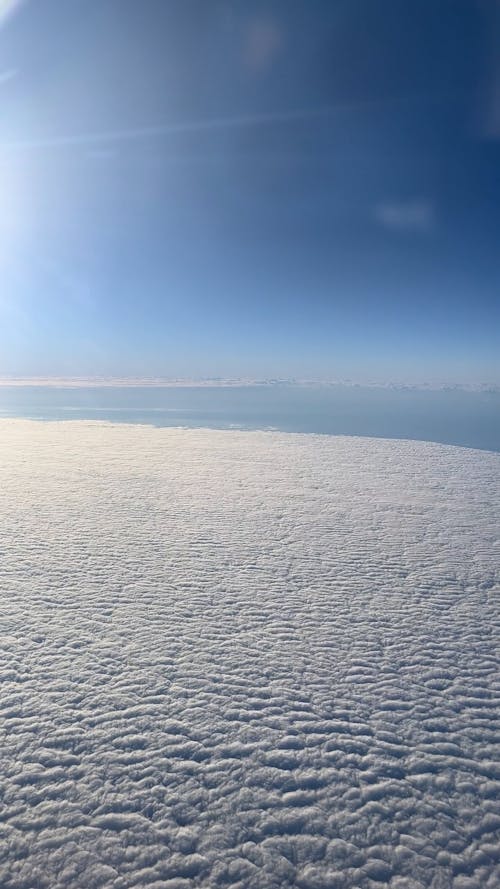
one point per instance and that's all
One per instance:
(291, 188)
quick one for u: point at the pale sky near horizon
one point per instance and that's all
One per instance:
(224, 188)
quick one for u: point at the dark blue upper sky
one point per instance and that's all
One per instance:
(224, 188)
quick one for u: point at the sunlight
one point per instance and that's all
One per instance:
(7, 7)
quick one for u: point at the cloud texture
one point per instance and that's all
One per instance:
(246, 660)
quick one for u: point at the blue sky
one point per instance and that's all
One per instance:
(214, 188)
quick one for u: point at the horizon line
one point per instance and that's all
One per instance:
(115, 381)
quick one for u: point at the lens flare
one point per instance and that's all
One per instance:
(7, 8)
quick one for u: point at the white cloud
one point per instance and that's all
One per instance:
(417, 215)
(246, 659)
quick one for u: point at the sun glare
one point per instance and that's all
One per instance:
(7, 7)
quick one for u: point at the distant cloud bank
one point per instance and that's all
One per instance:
(247, 659)
(217, 382)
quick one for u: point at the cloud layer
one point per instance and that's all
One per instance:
(246, 660)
